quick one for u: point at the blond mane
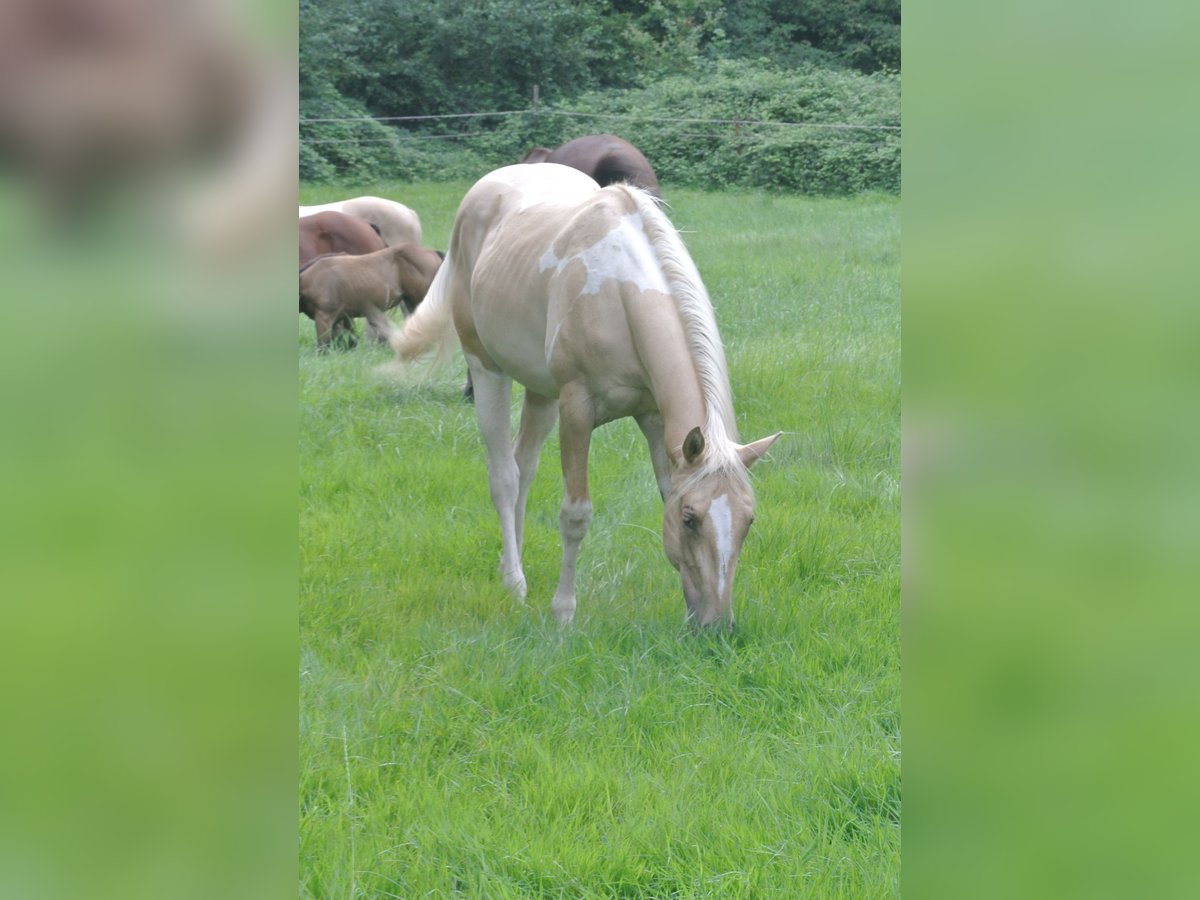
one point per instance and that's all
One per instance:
(700, 327)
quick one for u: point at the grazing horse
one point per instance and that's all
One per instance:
(606, 157)
(336, 288)
(537, 155)
(395, 221)
(588, 298)
(335, 232)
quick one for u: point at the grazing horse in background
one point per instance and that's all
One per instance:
(606, 157)
(336, 288)
(537, 155)
(587, 297)
(395, 221)
(335, 232)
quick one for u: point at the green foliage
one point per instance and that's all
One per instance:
(454, 742)
(811, 160)
(859, 34)
(397, 58)
(336, 149)
(731, 153)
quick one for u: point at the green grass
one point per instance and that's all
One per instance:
(453, 742)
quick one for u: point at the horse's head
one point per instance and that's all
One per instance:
(706, 517)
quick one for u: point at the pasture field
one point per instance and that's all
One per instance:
(456, 743)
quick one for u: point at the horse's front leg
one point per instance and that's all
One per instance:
(577, 421)
(324, 323)
(652, 427)
(493, 398)
(379, 326)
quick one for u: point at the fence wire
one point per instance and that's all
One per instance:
(539, 112)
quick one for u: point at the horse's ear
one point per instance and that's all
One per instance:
(750, 453)
(693, 445)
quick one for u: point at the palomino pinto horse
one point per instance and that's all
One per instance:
(587, 297)
(606, 157)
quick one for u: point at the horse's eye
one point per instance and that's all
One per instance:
(690, 520)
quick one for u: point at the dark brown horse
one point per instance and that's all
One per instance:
(334, 232)
(606, 157)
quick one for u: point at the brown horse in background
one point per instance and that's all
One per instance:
(606, 157)
(336, 288)
(335, 232)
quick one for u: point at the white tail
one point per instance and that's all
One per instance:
(431, 327)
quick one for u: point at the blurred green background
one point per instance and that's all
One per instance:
(1052, 509)
(148, 534)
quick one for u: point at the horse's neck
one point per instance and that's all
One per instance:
(671, 373)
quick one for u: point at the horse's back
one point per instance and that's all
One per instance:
(609, 160)
(319, 208)
(331, 232)
(396, 222)
(511, 205)
(549, 259)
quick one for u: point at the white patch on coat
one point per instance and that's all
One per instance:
(723, 525)
(623, 254)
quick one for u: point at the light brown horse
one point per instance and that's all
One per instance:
(587, 297)
(606, 157)
(335, 232)
(336, 288)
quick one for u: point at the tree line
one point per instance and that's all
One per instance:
(394, 58)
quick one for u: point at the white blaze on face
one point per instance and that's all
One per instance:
(723, 525)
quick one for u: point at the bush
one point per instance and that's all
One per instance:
(345, 148)
(845, 138)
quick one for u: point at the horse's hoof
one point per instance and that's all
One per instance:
(564, 610)
(516, 586)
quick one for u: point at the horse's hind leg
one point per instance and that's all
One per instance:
(493, 397)
(538, 415)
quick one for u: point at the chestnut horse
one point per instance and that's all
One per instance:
(587, 297)
(337, 287)
(335, 232)
(606, 157)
